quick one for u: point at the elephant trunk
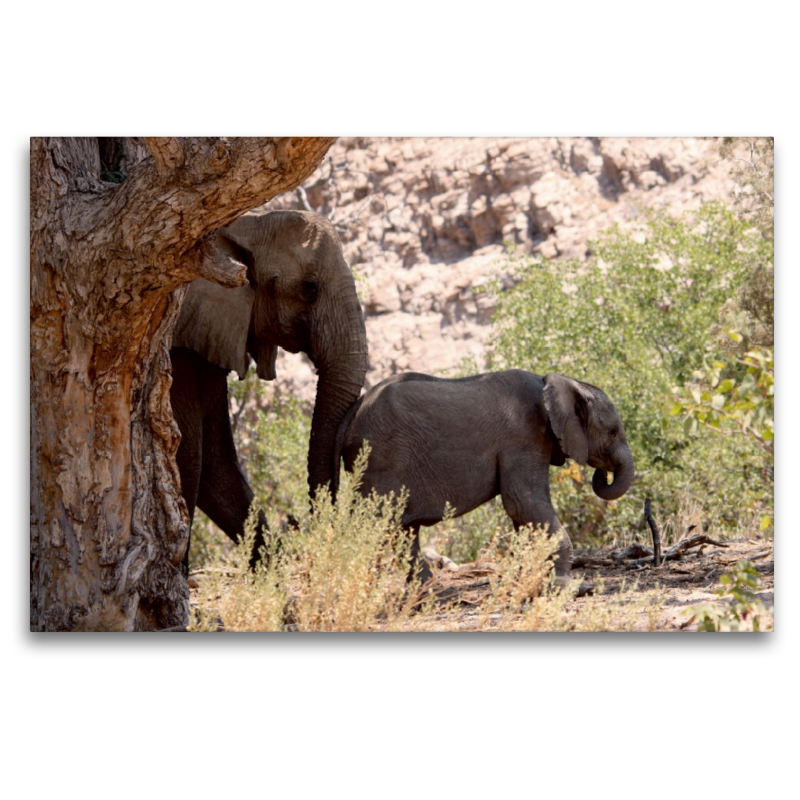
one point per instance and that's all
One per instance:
(623, 478)
(341, 377)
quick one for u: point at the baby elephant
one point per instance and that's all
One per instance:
(466, 440)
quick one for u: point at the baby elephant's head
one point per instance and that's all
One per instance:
(590, 431)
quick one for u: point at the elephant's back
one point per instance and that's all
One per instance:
(413, 417)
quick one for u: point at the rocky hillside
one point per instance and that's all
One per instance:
(426, 221)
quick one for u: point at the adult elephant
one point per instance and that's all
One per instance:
(301, 297)
(464, 441)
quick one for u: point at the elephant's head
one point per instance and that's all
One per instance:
(301, 297)
(589, 431)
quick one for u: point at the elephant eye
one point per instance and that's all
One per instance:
(309, 289)
(613, 433)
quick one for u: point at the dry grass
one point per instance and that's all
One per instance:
(345, 569)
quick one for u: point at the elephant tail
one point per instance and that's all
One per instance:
(338, 446)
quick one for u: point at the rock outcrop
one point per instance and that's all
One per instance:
(425, 222)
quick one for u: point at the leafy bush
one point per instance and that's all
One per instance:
(745, 609)
(272, 442)
(637, 320)
(752, 164)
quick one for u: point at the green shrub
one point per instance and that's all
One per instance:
(743, 610)
(272, 442)
(735, 398)
(637, 320)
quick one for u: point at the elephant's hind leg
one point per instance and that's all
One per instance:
(418, 566)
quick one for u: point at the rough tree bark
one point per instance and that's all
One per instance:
(109, 261)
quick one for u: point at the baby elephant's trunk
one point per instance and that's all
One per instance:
(623, 478)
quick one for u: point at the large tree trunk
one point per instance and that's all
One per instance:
(108, 262)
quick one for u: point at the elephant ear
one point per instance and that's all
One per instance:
(567, 403)
(214, 322)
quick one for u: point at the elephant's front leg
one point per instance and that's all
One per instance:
(224, 494)
(525, 491)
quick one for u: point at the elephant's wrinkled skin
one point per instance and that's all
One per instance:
(466, 440)
(301, 297)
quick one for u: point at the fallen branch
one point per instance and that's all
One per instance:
(687, 544)
(588, 561)
(686, 533)
(437, 561)
(634, 550)
(679, 549)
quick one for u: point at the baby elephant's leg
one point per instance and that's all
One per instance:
(418, 566)
(526, 498)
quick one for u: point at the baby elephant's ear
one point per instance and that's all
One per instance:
(214, 322)
(568, 405)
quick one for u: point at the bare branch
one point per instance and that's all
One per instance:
(303, 197)
(216, 266)
(355, 215)
(334, 190)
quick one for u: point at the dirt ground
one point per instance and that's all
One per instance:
(688, 580)
(692, 579)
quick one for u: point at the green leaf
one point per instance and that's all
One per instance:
(676, 409)
(718, 401)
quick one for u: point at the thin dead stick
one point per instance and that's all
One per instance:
(656, 533)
